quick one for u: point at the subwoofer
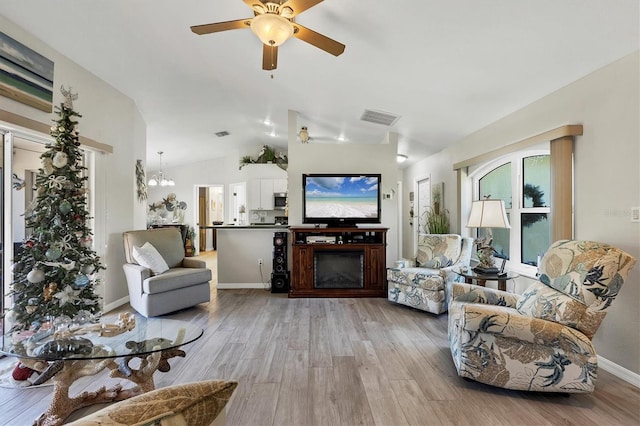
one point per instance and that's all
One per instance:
(280, 283)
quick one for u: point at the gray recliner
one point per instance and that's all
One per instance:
(185, 284)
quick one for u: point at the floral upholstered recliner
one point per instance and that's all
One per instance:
(425, 286)
(541, 340)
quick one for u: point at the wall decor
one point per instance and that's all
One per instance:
(25, 75)
(437, 197)
(141, 185)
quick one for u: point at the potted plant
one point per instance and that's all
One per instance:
(266, 155)
(436, 222)
(189, 239)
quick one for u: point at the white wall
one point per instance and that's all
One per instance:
(108, 117)
(607, 177)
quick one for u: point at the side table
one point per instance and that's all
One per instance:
(470, 275)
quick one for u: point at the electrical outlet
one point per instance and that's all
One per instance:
(259, 261)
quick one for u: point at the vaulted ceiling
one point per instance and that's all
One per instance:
(447, 68)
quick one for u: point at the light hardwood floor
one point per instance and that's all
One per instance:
(346, 362)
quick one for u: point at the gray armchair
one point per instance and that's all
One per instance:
(184, 284)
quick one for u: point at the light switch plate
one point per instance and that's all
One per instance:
(635, 214)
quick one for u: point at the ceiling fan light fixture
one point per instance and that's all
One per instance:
(271, 29)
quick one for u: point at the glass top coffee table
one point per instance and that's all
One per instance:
(75, 352)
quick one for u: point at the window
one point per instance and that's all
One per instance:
(523, 181)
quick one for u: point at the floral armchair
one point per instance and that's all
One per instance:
(425, 286)
(541, 340)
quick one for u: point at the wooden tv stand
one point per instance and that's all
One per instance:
(307, 242)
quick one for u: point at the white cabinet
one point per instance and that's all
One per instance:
(260, 196)
(280, 185)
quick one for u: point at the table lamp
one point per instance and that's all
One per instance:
(487, 214)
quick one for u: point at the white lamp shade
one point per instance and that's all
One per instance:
(488, 214)
(271, 29)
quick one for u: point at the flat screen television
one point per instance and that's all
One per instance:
(341, 199)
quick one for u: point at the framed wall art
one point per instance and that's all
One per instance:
(25, 75)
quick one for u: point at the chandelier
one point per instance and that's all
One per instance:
(160, 179)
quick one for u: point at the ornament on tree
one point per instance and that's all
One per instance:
(60, 160)
(47, 166)
(57, 256)
(88, 269)
(65, 207)
(49, 291)
(35, 276)
(53, 253)
(81, 281)
(67, 296)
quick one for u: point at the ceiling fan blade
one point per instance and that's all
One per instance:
(297, 6)
(318, 40)
(269, 57)
(256, 5)
(221, 26)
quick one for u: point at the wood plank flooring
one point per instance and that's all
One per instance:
(345, 362)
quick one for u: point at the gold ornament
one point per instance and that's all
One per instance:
(49, 290)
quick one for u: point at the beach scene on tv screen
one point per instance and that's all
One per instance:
(341, 197)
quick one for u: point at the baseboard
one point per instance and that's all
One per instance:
(237, 286)
(116, 304)
(618, 371)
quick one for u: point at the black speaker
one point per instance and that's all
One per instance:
(280, 283)
(280, 275)
(279, 263)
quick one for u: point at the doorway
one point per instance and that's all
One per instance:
(20, 161)
(210, 212)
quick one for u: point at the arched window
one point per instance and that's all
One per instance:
(522, 180)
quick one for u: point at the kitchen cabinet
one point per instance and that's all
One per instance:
(260, 194)
(280, 185)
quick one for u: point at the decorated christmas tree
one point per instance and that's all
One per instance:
(55, 269)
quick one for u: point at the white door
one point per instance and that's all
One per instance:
(423, 203)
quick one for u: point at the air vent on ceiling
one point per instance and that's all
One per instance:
(222, 134)
(379, 117)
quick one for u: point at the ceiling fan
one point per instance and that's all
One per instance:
(274, 24)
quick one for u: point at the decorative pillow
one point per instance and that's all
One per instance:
(149, 257)
(193, 404)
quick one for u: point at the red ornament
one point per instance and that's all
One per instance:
(21, 372)
(29, 244)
